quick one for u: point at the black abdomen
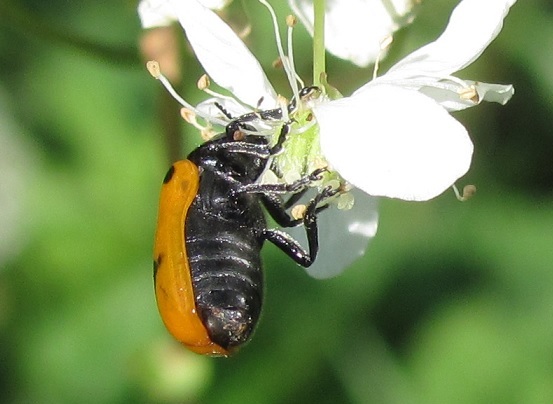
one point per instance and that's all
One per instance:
(223, 248)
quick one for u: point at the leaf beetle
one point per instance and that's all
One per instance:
(211, 227)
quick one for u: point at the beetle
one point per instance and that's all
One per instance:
(211, 227)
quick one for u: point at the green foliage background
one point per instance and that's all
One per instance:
(453, 303)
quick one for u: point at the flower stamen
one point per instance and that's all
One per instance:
(291, 23)
(468, 192)
(384, 45)
(277, 63)
(206, 132)
(203, 84)
(286, 61)
(155, 71)
(469, 93)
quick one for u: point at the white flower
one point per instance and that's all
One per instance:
(354, 29)
(408, 146)
(159, 13)
(392, 137)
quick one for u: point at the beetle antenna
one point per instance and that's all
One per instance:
(223, 110)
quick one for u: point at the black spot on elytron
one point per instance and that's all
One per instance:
(157, 263)
(169, 175)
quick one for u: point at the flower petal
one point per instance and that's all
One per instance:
(160, 13)
(156, 13)
(221, 52)
(447, 94)
(472, 26)
(215, 4)
(355, 29)
(394, 142)
(500, 93)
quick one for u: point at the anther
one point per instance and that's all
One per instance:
(291, 20)
(469, 93)
(298, 211)
(188, 115)
(246, 31)
(155, 71)
(277, 63)
(386, 42)
(203, 82)
(206, 134)
(153, 68)
(468, 192)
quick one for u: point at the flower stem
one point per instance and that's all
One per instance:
(318, 41)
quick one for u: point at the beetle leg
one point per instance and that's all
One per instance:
(291, 201)
(277, 209)
(294, 187)
(290, 246)
(252, 149)
(284, 131)
(310, 218)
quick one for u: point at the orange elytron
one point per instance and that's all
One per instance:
(173, 283)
